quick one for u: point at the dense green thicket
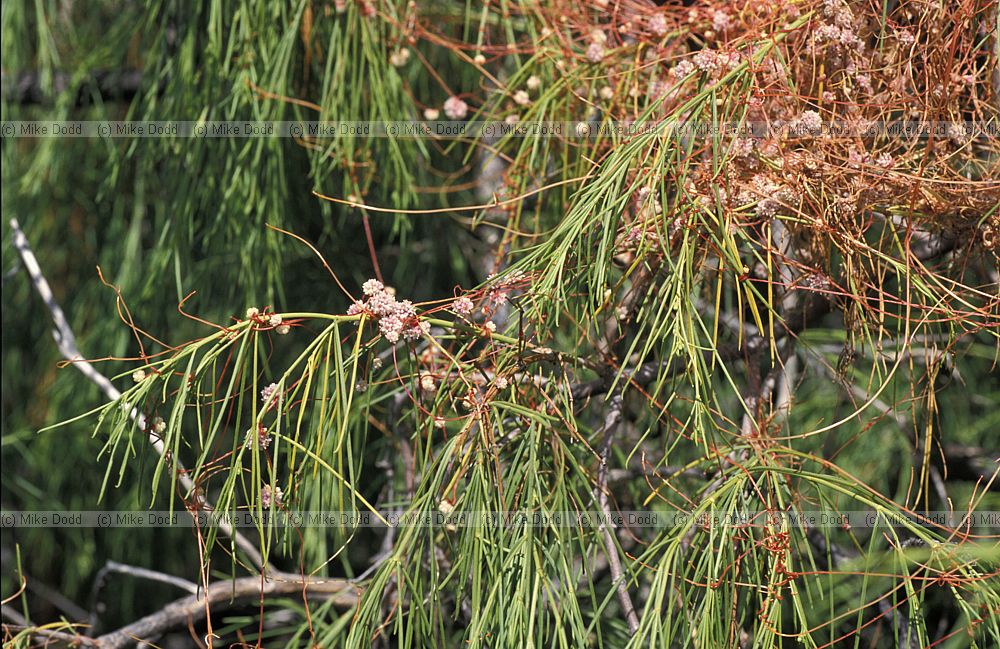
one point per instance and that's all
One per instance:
(675, 325)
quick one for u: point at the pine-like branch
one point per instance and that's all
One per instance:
(66, 342)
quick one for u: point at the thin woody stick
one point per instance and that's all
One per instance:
(66, 342)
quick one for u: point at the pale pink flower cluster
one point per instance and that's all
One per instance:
(595, 52)
(956, 133)
(770, 196)
(498, 292)
(721, 21)
(731, 60)
(462, 306)
(399, 57)
(455, 108)
(809, 122)
(267, 319)
(856, 160)
(395, 319)
(816, 281)
(845, 36)
(267, 396)
(743, 146)
(710, 61)
(838, 11)
(657, 24)
(427, 382)
(682, 69)
(633, 235)
(267, 495)
(263, 437)
(707, 61)
(498, 296)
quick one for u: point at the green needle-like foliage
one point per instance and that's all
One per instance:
(686, 291)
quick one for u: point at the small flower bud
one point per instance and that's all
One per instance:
(427, 383)
(400, 57)
(267, 496)
(455, 108)
(595, 52)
